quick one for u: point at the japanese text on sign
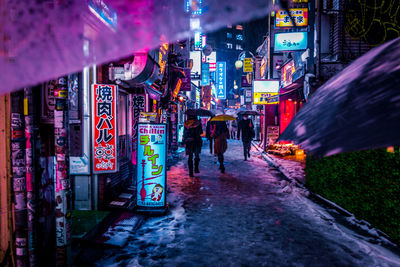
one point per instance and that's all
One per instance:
(299, 16)
(248, 65)
(151, 173)
(104, 128)
(138, 105)
(221, 80)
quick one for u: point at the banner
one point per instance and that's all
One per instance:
(187, 81)
(151, 169)
(104, 128)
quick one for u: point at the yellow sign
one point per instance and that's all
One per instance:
(265, 98)
(247, 65)
(299, 15)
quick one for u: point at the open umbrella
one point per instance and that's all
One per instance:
(217, 111)
(223, 118)
(249, 112)
(230, 111)
(42, 40)
(357, 109)
(199, 112)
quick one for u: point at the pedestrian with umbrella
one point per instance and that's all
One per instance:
(220, 133)
(246, 127)
(208, 133)
(193, 142)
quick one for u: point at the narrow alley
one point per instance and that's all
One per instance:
(245, 218)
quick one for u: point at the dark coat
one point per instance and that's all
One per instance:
(220, 133)
(246, 127)
(208, 129)
(191, 136)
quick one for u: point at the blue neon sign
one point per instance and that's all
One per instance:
(290, 41)
(221, 80)
(205, 74)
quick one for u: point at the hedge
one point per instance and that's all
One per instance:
(366, 183)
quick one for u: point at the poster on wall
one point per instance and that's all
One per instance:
(151, 169)
(272, 134)
(104, 128)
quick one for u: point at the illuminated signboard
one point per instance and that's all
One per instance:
(104, 128)
(265, 92)
(248, 65)
(290, 41)
(138, 106)
(299, 15)
(205, 74)
(212, 59)
(221, 80)
(287, 74)
(151, 167)
(198, 41)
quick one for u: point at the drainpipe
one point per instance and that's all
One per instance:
(30, 174)
(62, 185)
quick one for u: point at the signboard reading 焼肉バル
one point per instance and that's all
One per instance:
(151, 169)
(104, 130)
(220, 86)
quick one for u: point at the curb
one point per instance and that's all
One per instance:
(329, 203)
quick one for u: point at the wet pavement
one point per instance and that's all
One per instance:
(246, 217)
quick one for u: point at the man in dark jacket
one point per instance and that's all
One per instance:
(220, 133)
(208, 133)
(246, 127)
(193, 142)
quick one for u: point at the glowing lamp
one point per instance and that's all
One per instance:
(238, 64)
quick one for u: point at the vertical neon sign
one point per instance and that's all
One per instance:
(151, 168)
(221, 80)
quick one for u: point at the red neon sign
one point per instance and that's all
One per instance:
(104, 129)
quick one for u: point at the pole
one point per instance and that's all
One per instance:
(30, 173)
(319, 15)
(269, 65)
(311, 27)
(62, 186)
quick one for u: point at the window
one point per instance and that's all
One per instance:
(239, 27)
(239, 37)
(229, 45)
(228, 35)
(239, 47)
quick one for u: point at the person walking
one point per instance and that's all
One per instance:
(246, 127)
(208, 133)
(193, 142)
(220, 133)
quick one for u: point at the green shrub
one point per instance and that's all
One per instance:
(366, 183)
